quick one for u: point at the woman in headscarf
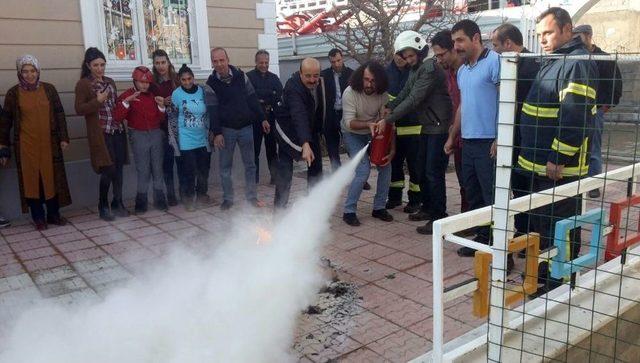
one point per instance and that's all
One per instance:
(34, 109)
(95, 100)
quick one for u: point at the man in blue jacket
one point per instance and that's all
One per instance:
(236, 109)
(300, 117)
(269, 90)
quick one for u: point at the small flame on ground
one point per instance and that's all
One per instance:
(264, 236)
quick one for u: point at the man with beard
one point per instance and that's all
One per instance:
(476, 119)
(425, 95)
(448, 59)
(363, 102)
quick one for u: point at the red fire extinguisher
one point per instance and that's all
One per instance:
(380, 146)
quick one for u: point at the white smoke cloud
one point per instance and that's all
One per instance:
(238, 304)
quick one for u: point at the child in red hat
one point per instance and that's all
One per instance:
(144, 114)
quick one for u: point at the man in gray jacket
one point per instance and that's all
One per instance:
(425, 95)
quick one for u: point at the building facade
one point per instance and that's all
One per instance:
(127, 31)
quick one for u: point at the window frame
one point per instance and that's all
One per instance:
(93, 29)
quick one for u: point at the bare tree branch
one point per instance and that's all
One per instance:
(373, 27)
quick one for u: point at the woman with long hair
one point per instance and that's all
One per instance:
(96, 97)
(34, 110)
(165, 82)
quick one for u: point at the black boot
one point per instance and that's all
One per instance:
(118, 209)
(105, 213)
(159, 200)
(141, 203)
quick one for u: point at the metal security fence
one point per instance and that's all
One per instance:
(572, 291)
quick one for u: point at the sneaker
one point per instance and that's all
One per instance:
(392, 204)
(411, 208)
(4, 222)
(226, 205)
(594, 194)
(366, 186)
(58, 220)
(420, 216)
(351, 219)
(382, 214)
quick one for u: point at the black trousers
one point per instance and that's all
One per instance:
(270, 146)
(36, 208)
(167, 168)
(407, 148)
(284, 171)
(332, 134)
(543, 220)
(112, 175)
(432, 162)
(194, 172)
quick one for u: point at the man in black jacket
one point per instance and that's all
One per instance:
(609, 93)
(236, 109)
(269, 90)
(300, 117)
(336, 80)
(563, 99)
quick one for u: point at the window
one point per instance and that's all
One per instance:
(128, 31)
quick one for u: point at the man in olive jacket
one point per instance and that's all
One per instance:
(425, 95)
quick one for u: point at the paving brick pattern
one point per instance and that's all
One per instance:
(388, 262)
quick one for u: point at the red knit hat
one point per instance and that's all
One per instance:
(142, 74)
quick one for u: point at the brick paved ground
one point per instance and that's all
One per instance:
(385, 315)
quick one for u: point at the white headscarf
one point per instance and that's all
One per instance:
(23, 60)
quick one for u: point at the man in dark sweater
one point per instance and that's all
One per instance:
(269, 90)
(609, 93)
(336, 80)
(300, 117)
(236, 109)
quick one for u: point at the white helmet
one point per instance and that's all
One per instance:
(410, 39)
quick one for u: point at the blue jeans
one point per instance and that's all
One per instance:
(354, 143)
(244, 138)
(595, 160)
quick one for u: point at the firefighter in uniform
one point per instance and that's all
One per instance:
(407, 143)
(555, 126)
(425, 98)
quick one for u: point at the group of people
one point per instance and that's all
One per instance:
(448, 104)
(166, 118)
(437, 106)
